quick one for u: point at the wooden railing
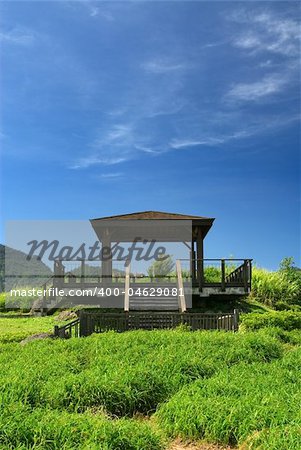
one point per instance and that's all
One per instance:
(71, 329)
(127, 287)
(241, 275)
(96, 322)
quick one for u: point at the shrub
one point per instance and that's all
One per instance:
(286, 320)
(235, 403)
(272, 287)
(283, 306)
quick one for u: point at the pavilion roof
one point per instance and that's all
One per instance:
(154, 215)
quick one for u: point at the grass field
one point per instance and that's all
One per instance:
(143, 390)
(15, 329)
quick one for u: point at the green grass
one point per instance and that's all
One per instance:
(237, 402)
(286, 320)
(137, 390)
(272, 287)
(42, 428)
(15, 329)
(276, 438)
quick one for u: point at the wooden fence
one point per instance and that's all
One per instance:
(95, 322)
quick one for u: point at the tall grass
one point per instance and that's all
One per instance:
(272, 287)
(236, 403)
(22, 427)
(137, 390)
(123, 373)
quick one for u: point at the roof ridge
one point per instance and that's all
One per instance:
(147, 215)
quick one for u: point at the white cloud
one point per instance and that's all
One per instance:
(83, 163)
(207, 141)
(184, 143)
(92, 8)
(146, 149)
(268, 33)
(248, 41)
(119, 132)
(256, 90)
(262, 125)
(111, 175)
(18, 36)
(94, 11)
(163, 65)
(111, 147)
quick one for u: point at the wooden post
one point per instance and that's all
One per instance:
(235, 319)
(245, 275)
(192, 263)
(107, 259)
(250, 274)
(181, 295)
(82, 324)
(200, 259)
(82, 271)
(223, 275)
(127, 287)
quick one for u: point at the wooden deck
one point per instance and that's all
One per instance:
(136, 292)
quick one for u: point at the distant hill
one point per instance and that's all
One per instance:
(94, 271)
(22, 272)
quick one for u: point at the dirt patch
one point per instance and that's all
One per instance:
(66, 315)
(179, 445)
(35, 337)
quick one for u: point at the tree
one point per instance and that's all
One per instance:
(290, 271)
(161, 267)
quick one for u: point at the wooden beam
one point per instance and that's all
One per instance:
(180, 287)
(127, 287)
(192, 263)
(200, 257)
(223, 270)
(107, 258)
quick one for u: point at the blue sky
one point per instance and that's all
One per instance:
(189, 107)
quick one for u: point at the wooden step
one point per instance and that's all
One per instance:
(154, 303)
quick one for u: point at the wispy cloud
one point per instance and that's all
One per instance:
(110, 175)
(18, 36)
(256, 90)
(186, 143)
(94, 9)
(268, 33)
(83, 163)
(163, 65)
(161, 90)
(114, 146)
(263, 124)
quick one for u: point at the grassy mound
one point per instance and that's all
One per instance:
(236, 403)
(137, 390)
(123, 373)
(22, 427)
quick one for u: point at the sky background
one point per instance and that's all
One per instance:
(188, 107)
